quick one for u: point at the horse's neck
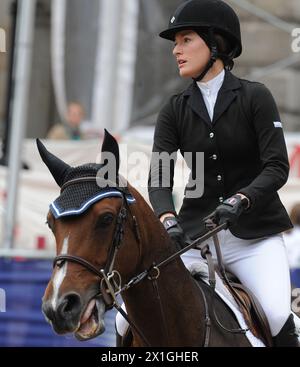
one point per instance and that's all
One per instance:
(175, 285)
(155, 242)
(167, 311)
(180, 303)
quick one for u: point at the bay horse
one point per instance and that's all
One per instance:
(114, 229)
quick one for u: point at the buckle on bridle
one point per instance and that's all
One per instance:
(154, 276)
(110, 286)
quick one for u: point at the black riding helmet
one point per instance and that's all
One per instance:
(208, 18)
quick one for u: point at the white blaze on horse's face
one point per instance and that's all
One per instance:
(59, 275)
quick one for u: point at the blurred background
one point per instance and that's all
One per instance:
(74, 67)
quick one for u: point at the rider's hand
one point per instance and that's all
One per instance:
(230, 210)
(175, 231)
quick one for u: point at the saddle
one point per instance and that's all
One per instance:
(248, 304)
(250, 307)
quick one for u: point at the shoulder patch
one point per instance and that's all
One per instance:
(278, 124)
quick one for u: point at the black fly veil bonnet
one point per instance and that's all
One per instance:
(84, 185)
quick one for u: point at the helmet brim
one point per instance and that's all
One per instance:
(170, 33)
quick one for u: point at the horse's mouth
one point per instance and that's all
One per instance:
(91, 323)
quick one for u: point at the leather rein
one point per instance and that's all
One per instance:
(110, 279)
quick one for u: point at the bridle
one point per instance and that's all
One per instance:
(110, 279)
(116, 243)
(117, 237)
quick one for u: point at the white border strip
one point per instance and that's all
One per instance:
(57, 213)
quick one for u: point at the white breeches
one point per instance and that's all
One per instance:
(262, 266)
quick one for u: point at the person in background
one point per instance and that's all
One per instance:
(72, 130)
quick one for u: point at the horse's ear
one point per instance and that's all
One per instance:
(111, 145)
(57, 167)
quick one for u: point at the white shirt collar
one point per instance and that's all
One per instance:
(214, 84)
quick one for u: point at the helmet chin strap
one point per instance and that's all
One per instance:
(213, 56)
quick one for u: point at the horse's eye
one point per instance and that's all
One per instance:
(105, 220)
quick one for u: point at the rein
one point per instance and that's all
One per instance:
(110, 280)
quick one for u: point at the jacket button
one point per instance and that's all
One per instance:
(221, 199)
(211, 135)
(219, 177)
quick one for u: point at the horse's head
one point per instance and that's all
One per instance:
(88, 221)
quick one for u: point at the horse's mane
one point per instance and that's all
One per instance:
(167, 248)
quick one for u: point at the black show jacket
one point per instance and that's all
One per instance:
(244, 151)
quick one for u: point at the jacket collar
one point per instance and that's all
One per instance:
(213, 85)
(226, 96)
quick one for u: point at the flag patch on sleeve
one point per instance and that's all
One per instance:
(277, 124)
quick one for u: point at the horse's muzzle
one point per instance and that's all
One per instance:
(72, 315)
(64, 316)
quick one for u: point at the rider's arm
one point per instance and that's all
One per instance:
(271, 145)
(161, 175)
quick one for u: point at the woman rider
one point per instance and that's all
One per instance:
(236, 124)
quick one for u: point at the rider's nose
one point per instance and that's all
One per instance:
(69, 306)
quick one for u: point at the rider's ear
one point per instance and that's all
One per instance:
(57, 167)
(111, 145)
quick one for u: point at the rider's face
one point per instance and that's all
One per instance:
(191, 52)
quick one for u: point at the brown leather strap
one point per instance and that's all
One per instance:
(132, 324)
(162, 314)
(206, 254)
(223, 272)
(259, 313)
(207, 318)
(78, 260)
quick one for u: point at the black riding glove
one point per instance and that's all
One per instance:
(175, 232)
(230, 210)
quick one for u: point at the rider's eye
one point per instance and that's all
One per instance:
(105, 220)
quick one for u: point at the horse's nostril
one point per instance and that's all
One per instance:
(72, 302)
(69, 306)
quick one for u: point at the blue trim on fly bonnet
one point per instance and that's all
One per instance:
(82, 188)
(59, 212)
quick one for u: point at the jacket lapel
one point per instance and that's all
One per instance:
(226, 95)
(196, 102)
